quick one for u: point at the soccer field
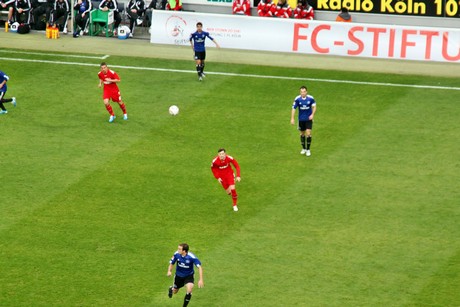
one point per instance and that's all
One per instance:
(91, 212)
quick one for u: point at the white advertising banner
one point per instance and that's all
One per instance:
(310, 37)
(210, 2)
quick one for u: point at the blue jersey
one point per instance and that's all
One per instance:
(305, 106)
(3, 77)
(83, 7)
(185, 264)
(199, 40)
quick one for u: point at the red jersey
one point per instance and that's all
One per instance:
(304, 12)
(264, 8)
(111, 87)
(282, 10)
(242, 7)
(222, 169)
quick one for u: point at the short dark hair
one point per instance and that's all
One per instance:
(103, 64)
(303, 87)
(199, 23)
(221, 149)
(184, 246)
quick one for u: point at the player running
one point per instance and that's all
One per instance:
(184, 272)
(197, 40)
(111, 91)
(223, 172)
(3, 89)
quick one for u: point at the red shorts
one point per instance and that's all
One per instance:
(112, 95)
(227, 180)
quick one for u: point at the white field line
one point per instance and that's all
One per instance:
(242, 75)
(57, 54)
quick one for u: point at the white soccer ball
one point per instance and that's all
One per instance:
(123, 32)
(173, 110)
(14, 27)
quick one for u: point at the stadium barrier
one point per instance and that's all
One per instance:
(311, 37)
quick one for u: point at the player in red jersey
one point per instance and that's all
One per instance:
(241, 7)
(304, 10)
(264, 8)
(282, 9)
(223, 172)
(111, 91)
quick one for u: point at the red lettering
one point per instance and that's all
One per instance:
(375, 39)
(445, 44)
(359, 43)
(405, 43)
(391, 43)
(297, 36)
(314, 40)
(429, 39)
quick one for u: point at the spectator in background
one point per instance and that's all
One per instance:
(304, 10)
(83, 7)
(8, 5)
(265, 8)
(282, 9)
(344, 16)
(112, 5)
(135, 10)
(174, 5)
(22, 10)
(242, 7)
(41, 7)
(154, 5)
(157, 5)
(61, 10)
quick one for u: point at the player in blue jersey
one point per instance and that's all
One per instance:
(197, 40)
(184, 276)
(307, 108)
(3, 88)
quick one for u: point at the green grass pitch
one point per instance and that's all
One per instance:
(91, 212)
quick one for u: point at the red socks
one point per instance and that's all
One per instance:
(109, 109)
(234, 197)
(123, 108)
